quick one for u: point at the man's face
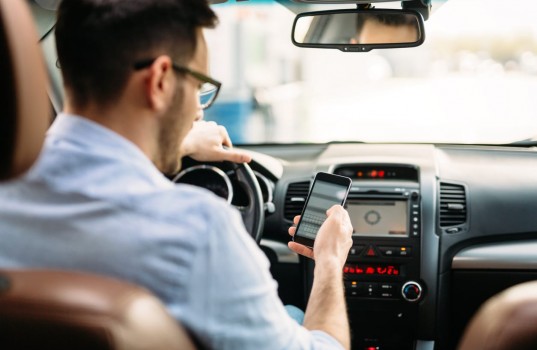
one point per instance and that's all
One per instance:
(374, 32)
(183, 111)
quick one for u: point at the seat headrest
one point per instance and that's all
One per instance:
(23, 90)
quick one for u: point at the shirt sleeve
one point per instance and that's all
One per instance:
(233, 300)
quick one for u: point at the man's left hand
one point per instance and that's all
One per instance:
(210, 142)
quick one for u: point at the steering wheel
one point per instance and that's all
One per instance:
(225, 179)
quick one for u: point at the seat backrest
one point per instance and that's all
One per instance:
(506, 321)
(45, 309)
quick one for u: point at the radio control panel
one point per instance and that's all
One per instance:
(382, 272)
(387, 230)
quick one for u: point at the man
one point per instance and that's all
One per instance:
(135, 76)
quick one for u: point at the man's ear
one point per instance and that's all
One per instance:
(159, 84)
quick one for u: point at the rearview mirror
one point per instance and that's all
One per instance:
(358, 30)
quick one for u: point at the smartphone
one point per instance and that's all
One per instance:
(326, 191)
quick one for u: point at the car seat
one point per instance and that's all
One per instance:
(508, 320)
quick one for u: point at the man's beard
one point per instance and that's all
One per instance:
(168, 157)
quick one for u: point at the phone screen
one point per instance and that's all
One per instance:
(327, 190)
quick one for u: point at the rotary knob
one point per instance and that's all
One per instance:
(412, 291)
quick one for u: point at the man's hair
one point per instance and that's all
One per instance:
(98, 41)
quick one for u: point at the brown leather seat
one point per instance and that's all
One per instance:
(45, 309)
(506, 321)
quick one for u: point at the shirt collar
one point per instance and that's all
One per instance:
(98, 139)
(87, 133)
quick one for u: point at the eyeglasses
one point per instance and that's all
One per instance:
(209, 88)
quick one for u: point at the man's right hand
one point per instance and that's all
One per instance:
(333, 240)
(326, 310)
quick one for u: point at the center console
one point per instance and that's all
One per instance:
(382, 273)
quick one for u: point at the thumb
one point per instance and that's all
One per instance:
(300, 249)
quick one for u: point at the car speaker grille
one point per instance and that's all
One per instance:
(453, 209)
(295, 198)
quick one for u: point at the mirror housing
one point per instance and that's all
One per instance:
(358, 30)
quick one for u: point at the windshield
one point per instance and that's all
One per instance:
(472, 81)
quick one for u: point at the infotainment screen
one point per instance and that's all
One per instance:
(379, 217)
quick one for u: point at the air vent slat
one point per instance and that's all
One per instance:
(295, 198)
(453, 210)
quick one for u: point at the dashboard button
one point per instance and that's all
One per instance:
(356, 250)
(412, 291)
(358, 289)
(387, 290)
(396, 251)
(371, 289)
(371, 251)
(404, 252)
(388, 251)
(353, 293)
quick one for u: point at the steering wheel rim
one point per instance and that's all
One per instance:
(253, 215)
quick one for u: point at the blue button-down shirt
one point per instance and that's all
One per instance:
(95, 202)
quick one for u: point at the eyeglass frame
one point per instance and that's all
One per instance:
(200, 76)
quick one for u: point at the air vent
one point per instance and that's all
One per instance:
(295, 198)
(452, 205)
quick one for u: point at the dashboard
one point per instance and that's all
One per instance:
(438, 229)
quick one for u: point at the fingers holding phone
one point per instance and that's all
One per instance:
(292, 229)
(334, 239)
(336, 231)
(324, 203)
(297, 247)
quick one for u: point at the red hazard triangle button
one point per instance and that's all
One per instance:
(371, 251)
